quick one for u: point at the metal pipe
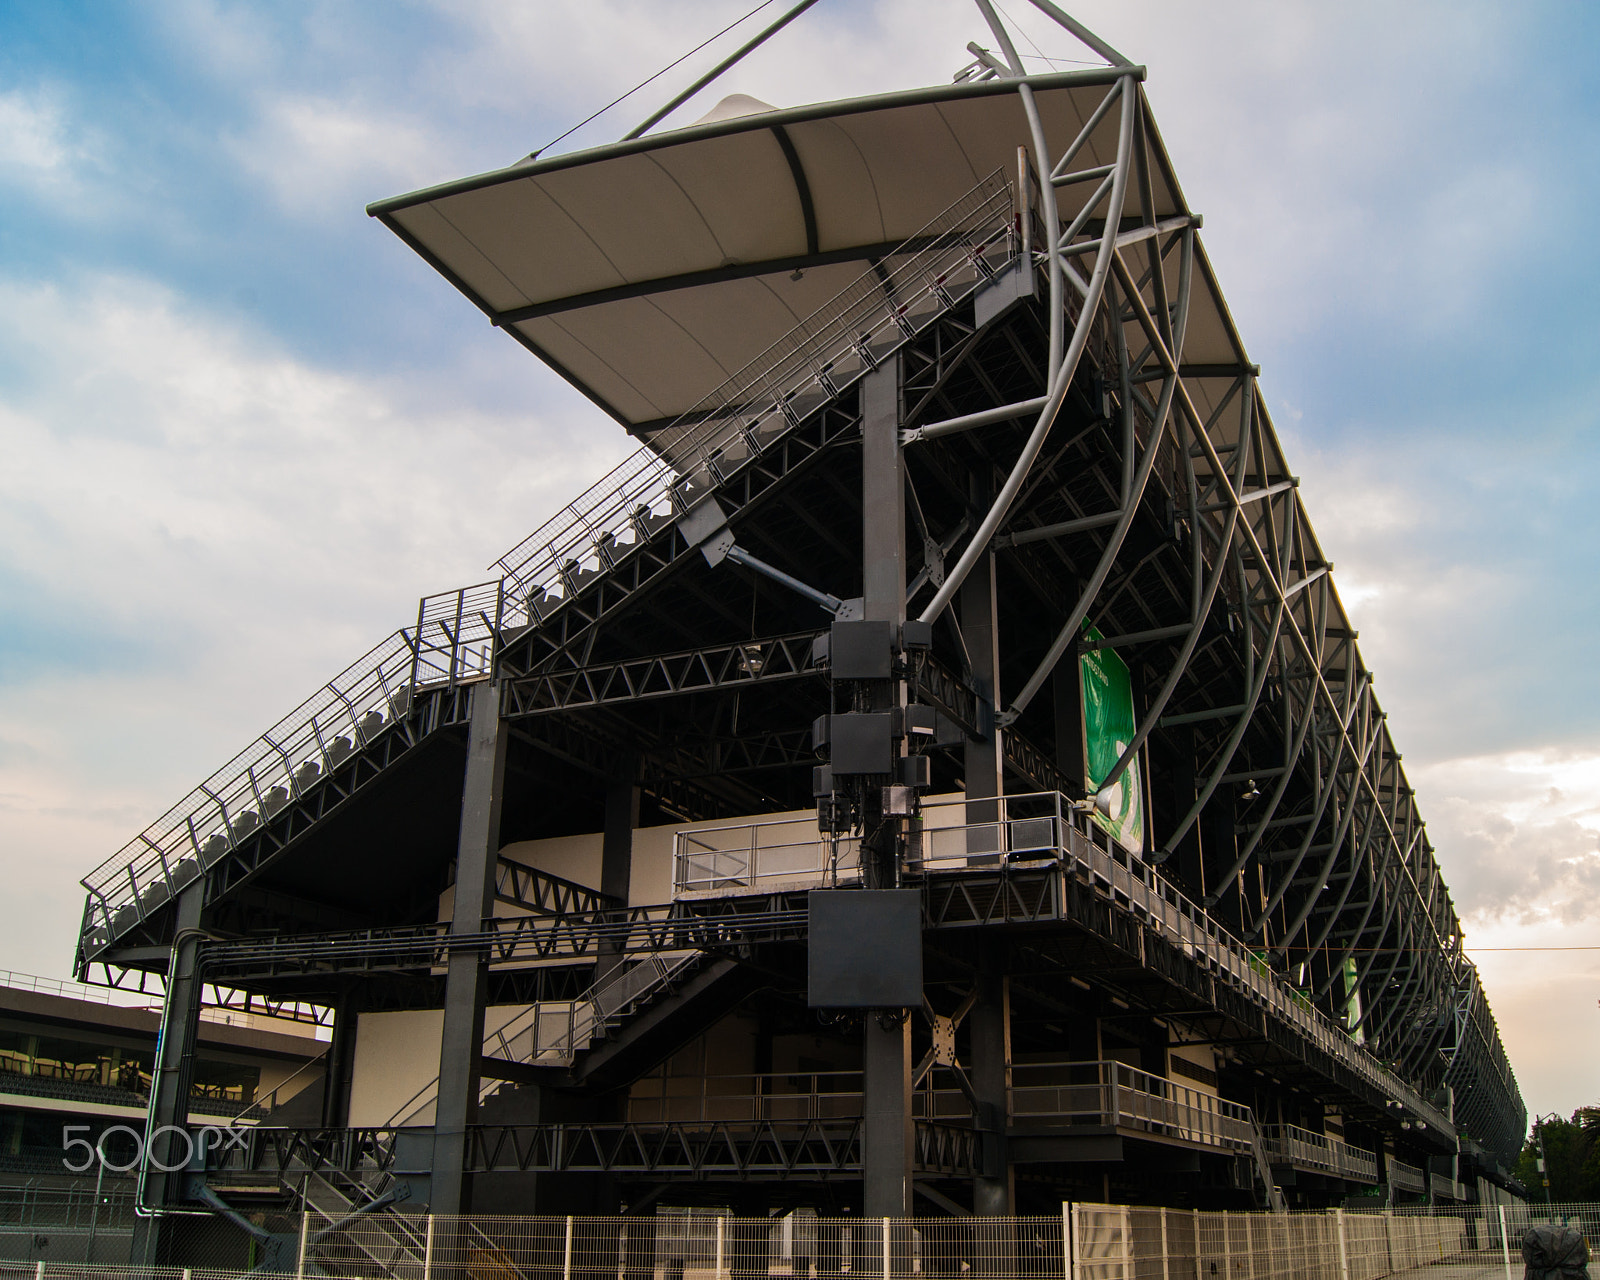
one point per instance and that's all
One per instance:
(748, 46)
(822, 599)
(967, 421)
(1225, 758)
(1045, 532)
(1141, 637)
(979, 544)
(1134, 490)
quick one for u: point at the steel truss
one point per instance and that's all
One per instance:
(816, 1149)
(1124, 488)
(1332, 865)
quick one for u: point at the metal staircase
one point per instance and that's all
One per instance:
(1258, 1149)
(345, 1215)
(419, 679)
(554, 1033)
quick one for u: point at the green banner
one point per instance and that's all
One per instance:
(1352, 1002)
(1108, 727)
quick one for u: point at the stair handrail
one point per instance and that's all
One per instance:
(443, 648)
(664, 973)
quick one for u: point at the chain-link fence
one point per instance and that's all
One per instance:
(1083, 1242)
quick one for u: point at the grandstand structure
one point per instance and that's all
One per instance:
(934, 774)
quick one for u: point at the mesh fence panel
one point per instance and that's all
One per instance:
(1085, 1242)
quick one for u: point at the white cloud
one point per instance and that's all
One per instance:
(41, 150)
(320, 155)
(1543, 980)
(195, 531)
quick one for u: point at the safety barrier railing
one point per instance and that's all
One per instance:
(450, 644)
(1405, 1177)
(1052, 1095)
(1123, 1242)
(1115, 1095)
(968, 243)
(760, 856)
(999, 833)
(766, 856)
(1304, 1149)
(715, 1099)
(1079, 1242)
(552, 1033)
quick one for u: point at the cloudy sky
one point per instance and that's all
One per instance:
(242, 428)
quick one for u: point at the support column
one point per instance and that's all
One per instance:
(883, 583)
(616, 856)
(887, 1126)
(883, 498)
(990, 1024)
(467, 970)
(341, 1061)
(153, 1238)
(984, 756)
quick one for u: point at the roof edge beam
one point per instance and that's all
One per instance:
(694, 279)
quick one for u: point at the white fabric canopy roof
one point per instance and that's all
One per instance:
(648, 272)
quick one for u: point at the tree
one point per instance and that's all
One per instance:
(1572, 1158)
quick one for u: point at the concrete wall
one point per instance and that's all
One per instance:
(397, 1054)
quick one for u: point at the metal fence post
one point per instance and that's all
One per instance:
(427, 1251)
(305, 1234)
(1068, 1268)
(1344, 1252)
(38, 1271)
(566, 1251)
(1505, 1241)
(721, 1235)
(886, 1271)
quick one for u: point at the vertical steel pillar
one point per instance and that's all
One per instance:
(153, 1237)
(887, 1126)
(467, 970)
(883, 497)
(339, 1071)
(886, 1050)
(883, 585)
(990, 1024)
(616, 855)
(984, 756)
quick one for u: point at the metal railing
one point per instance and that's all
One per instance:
(730, 1099)
(760, 856)
(450, 643)
(1115, 1095)
(552, 1033)
(768, 856)
(1053, 1095)
(1443, 1187)
(1304, 1149)
(963, 835)
(971, 241)
(1081, 1242)
(1405, 1177)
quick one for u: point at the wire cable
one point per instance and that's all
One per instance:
(538, 151)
